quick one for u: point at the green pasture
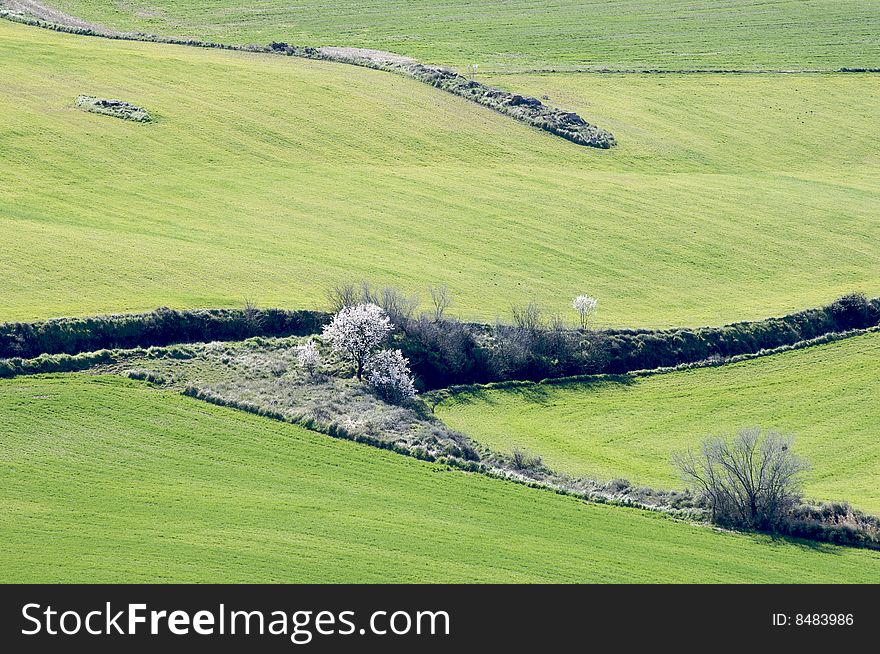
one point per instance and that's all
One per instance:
(826, 396)
(520, 34)
(729, 197)
(107, 480)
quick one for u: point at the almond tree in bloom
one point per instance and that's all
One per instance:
(586, 308)
(390, 376)
(357, 332)
(308, 357)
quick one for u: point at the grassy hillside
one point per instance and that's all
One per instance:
(673, 34)
(826, 396)
(106, 480)
(274, 177)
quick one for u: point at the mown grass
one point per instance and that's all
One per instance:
(674, 34)
(826, 396)
(107, 480)
(729, 197)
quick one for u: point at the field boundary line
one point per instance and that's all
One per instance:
(528, 110)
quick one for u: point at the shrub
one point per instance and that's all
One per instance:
(308, 358)
(390, 377)
(522, 460)
(586, 308)
(528, 317)
(852, 311)
(443, 353)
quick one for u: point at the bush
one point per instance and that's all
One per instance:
(443, 353)
(390, 377)
(308, 358)
(852, 311)
(522, 460)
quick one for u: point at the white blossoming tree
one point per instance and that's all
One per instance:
(356, 332)
(308, 357)
(586, 308)
(390, 376)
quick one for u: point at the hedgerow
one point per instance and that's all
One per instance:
(447, 352)
(160, 327)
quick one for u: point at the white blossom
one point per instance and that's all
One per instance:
(357, 331)
(586, 308)
(390, 376)
(308, 357)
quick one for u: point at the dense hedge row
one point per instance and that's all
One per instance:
(629, 350)
(451, 353)
(160, 327)
(448, 353)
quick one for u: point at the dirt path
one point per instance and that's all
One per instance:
(41, 11)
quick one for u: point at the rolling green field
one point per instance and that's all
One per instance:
(826, 396)
(729, 197)
(272, 178)
(107, 480)
(517, 34)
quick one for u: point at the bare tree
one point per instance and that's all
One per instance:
(397, 305)
(557, 323)
(528, 318)
(753, 480)
(441, 301)
(342, 296)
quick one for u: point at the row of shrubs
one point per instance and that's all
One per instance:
(446, 352)
(335, 430)
(628, 350)
(530, 110)
(156, 328)
(836, 523)
(449, 353)
(18, 17)
(52, 363)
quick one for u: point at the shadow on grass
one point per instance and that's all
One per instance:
(779, 540)
(540, 392)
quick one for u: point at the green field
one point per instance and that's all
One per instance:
(518, 34)
(826, 396)
(272, 178)
(107, 480)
